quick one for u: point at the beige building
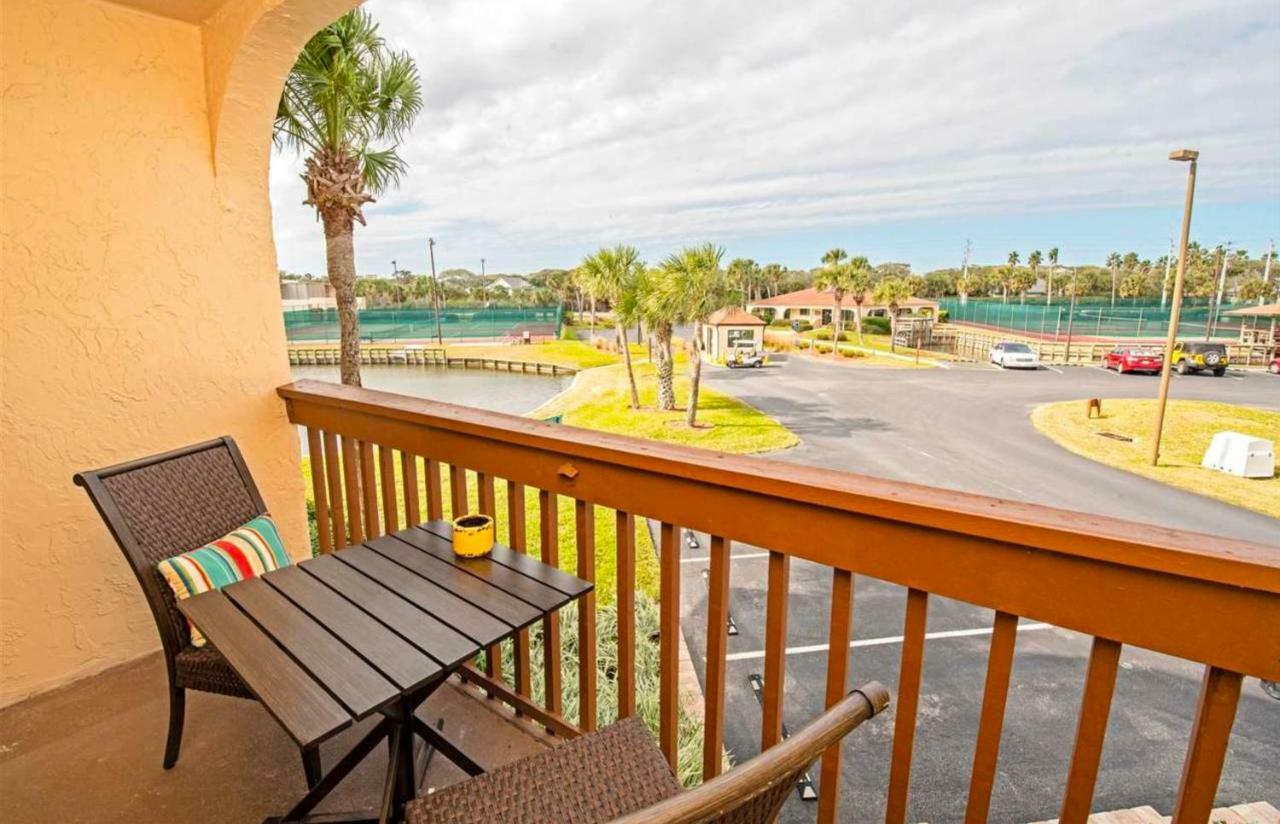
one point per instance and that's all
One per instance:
(731, 329)
(817, 306)
(141, 298)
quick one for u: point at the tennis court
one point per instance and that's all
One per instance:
(387, 324)
(1095, 317)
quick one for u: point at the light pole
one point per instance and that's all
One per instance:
(435, 289)
(1185, 156)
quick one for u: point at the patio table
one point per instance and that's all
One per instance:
(373, 630)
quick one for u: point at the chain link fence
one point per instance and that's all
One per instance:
(387, 323)
(1095, 317)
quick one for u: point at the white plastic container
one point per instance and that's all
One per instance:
(1238, 454)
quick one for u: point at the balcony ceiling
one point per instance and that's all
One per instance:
(188, 11)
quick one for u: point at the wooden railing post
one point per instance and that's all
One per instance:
(669, 644)
(908, 698)
(717, 648)
(838, 637)
(626, 606)
(351, 475)
(1091, 729)
(333, 474)
(516, 538)
(991, 722)
(1216, 712)
(585, 529)
(318, 490)
(549, 528)
(775, 653)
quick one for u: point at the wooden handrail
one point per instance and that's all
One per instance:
(1211, 600)
(1105, 576)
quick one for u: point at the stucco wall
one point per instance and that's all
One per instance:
(140, 311)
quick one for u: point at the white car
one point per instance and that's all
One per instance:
(1013, 356)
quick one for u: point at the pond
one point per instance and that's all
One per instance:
(510, 392)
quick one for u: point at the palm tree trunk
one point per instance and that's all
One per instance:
(893, 328)
(857, 319)
(666, 389)
(835, 342)
(340, 258)
(626, 358)
(695, 355)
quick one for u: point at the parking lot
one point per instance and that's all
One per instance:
(967, 428)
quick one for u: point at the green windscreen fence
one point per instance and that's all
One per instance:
(384, 323)
(1096, 317)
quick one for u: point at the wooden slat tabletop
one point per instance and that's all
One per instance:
(335, 638)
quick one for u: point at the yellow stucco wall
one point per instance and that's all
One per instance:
(139, 308)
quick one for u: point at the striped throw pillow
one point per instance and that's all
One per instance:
(249, 551)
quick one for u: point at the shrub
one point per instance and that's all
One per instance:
(823, 334)
(943, 314)
(568, 332)
(852, 353)
(876, 325)
(803, 326)
(780, 324)
(689, 747)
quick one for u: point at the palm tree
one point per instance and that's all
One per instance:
(347, 92)
(835, 278)
(1008, 278)
(615, 273)
(1053, 267)
(1033, 260)
(857, 284)
(893, 292)
(834, 256)
(692, 286)
(1113, 263)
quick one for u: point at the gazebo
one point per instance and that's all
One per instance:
(1252, 334)
(729, 329)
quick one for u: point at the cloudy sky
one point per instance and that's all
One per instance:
(778, 129)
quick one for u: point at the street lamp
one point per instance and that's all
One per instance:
(1184, 156)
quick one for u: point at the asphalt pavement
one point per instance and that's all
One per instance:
(968, 428)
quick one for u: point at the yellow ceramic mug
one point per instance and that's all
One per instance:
(472, 536)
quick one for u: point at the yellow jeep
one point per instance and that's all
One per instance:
(1198, 357)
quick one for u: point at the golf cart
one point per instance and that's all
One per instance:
(742, 358)
(1199, 357)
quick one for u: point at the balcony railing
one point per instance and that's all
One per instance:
(1213, 601)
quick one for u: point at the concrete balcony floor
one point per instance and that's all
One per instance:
(92, 752)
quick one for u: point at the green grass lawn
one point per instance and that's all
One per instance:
(1188, 428)
(560, 352)
(599, 399)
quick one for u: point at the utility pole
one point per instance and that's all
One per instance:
(1266, 268)
(435, 289)
(1183, 155)
(964, 273)
(1168, 264)
(481, 267)
(1071, 317)
(1215, 305)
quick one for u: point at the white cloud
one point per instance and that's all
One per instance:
(553, 127)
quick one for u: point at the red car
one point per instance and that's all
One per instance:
(1133, 359)
(1274, 366)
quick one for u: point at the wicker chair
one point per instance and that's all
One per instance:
(618, 774)
(165, 505)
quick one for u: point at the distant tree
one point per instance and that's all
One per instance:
(966, 284)
(693, 286)
(833, 256)
(893, 292)
(1006, 283)
(659, 316)
(1254, 288)
(857, 284)
(1113, 263)
(1034, 260)
(771, 277)
(745, 277)
(1135, 285)
(1021, 281)
(347, 92)
(939, 283)
(1053, 268)
(837, 279)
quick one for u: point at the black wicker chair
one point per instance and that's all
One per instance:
(162, 506)
(618, 774)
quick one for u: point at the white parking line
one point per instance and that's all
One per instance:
(1052, 368)
(739, 557)
(876, 642)
(1107, 371)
